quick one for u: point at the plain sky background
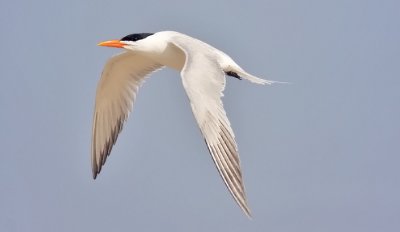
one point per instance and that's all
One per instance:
(321, 154)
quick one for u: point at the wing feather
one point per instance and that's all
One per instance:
(204, 82)
(116, 92)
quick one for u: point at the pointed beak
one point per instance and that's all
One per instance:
(112, 43)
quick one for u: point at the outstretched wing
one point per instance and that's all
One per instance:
(116, 92)
(204, 82)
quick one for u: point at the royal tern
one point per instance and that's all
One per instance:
(203, 69)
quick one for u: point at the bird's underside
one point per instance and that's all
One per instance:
(204, 81)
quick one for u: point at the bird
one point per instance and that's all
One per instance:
(203, 70)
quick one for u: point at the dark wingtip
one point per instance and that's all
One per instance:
(95, 171)
(248, 213)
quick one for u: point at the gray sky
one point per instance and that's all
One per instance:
(321, 154)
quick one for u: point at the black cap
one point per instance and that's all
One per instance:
(136, 37)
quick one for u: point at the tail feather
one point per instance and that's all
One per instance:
(257, 80)
(232, 69)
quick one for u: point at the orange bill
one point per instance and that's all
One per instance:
(112, 43)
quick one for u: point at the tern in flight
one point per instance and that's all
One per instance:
(203, 69)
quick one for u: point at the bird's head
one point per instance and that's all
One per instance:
(128, 42)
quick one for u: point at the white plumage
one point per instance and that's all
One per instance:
(202, 69)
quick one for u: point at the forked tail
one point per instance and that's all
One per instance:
(240, 74)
